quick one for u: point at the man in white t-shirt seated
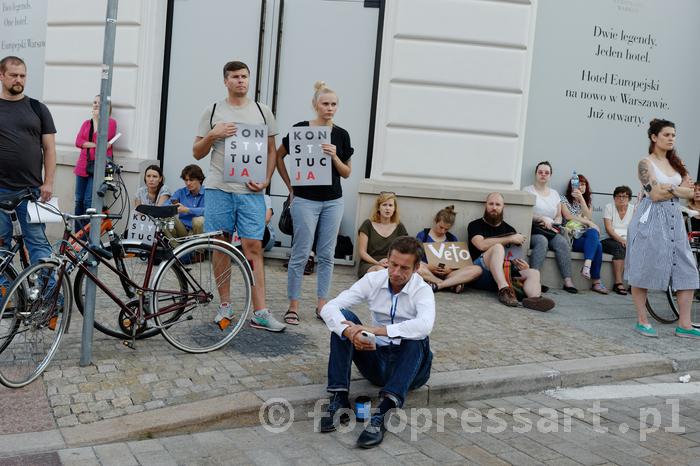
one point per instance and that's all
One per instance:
(617, 217)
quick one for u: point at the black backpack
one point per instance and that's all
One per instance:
(36, 106)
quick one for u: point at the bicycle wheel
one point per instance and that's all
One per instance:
(40, 304)
(133, 262)
(9, 322)
(195, 331)
(662, 305)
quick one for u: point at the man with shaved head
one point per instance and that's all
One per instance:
(488, 238)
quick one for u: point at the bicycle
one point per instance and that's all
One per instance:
(180, 303)
(663, 305)
(8, 272)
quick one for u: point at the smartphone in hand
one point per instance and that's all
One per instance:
(369, 337)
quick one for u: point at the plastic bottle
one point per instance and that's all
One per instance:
(574, 181)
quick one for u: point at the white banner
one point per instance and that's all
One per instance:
(141, 228)
(309, 166)
(245, 154)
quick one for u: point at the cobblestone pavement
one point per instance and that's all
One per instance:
(532, 429)
(472, 330)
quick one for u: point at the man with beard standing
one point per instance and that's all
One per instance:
(27, 143)
(488, 237)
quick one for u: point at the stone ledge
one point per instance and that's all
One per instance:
(242, 409)
(426, 191)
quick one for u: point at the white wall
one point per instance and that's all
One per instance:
(75, 36)
(453, 92)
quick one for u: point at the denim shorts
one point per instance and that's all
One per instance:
(485, 281)
(229, 212)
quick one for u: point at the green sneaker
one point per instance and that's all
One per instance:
(687, 333)
(262, 319)
(646, 330)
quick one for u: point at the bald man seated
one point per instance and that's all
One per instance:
(488, 238)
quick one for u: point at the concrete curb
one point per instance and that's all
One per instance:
(244, 409)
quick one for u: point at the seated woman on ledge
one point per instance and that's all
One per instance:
(617, 218)
(577, 206)
(437, 277)
(378, 232)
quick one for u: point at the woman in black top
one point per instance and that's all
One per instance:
(316, 208)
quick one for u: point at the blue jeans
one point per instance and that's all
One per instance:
(589, 245)
(34, 236)
(306, 215)
(395, 368)
(83, 198)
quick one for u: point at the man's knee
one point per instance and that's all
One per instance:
(198, 225)
(251, 248)
(496, 249)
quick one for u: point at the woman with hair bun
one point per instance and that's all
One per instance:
(658, 252)
(316, 209)
(438, 277)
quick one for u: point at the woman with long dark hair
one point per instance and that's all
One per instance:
(154, 191)
(658, 252)
(577, 207)
(545, 235)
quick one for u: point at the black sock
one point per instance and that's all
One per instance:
(386, 404)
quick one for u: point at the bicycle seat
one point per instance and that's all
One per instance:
(157, 211)
(10, 201)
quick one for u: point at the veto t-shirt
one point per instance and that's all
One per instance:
(340, 138)
(544, 206)
(21, 154)
(227, 113)
(480, 227)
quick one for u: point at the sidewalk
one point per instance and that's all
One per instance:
(480, 347)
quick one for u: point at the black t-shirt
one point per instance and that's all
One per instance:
(21, 155)
(480, 227)
(341, 140)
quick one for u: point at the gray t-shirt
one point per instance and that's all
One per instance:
(142, 195)
(225, 112)
(21, 155)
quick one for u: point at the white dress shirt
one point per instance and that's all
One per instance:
(414, 307)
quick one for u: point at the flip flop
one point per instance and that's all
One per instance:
(291, 317)
(457, 289)
(318, 316)
(619, 288)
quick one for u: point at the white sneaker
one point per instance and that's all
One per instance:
(263, 319)
(224, 312)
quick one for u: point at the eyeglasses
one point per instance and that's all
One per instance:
(622, 196)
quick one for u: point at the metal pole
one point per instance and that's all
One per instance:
(99, 172)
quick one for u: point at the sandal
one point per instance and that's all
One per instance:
(318, 315)
(434, 287)
(457, 289)
(586, 272)
(291, 317)
(619, 288)
(599, 288)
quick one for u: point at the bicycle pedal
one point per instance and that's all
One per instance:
(224, 323)
(128, 344)
(52, 322)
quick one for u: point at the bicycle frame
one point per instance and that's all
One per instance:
(141, 290)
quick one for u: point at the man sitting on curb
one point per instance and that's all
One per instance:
(488, 237)
(402, 306)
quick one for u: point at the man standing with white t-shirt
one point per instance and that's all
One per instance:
(231, 206)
